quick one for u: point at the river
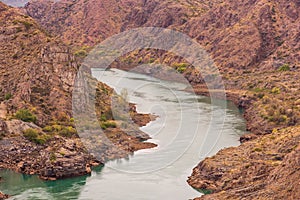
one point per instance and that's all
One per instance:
(186, 131)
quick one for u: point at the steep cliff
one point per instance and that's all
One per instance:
(37, 72)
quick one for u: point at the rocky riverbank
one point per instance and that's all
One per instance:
(3, 196)
(253, 170)
(63, 157)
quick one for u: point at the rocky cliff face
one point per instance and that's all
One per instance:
(37, 72)
(92, 21)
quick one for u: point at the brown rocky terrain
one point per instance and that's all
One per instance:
(264, 168)
(95, 20)
(255, 44)
(3, 196)
(251, 69)
(37, 131)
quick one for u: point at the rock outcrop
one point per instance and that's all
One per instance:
(3, 196)
(265, 168)
(60, 158)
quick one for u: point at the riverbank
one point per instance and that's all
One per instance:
(272, 115)
(3, 196)
(62, 157)
(250, 170)
(254, 170)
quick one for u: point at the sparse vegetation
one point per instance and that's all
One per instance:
(151, 60)
(27, 24)
(25, 115)
(35, 136)
(283, 68)
(180, 67)
(103, 118)
(108, 124)
(52, 157)
(62, 130)
(80, 53)
(275, 90)
(257, 149)
(48, 129)
(8, 96)
(67, 131)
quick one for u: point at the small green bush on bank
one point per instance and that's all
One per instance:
(283, 68)
(108, 124)
(35, 136)
(25, 115)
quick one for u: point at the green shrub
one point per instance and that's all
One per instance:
(151, 60)
(25, 115)
(180, 67)
(205, 191)
(283, 68)
(7, 96)
(140, 60)
(258, 89)
(108, 124)
(103, 118)
(257, 149)
(81, 53)
(68, 131)
(275, 90)
(57, 127)
(31, 134)
(52, 157)
(26, 24)
(35, 136)
(48, 129)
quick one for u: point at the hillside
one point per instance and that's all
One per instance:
(255, 44)
(41, 70)
(37, 131)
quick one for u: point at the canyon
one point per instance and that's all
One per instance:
(255, 45)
